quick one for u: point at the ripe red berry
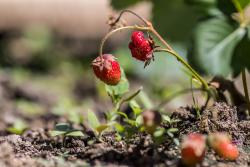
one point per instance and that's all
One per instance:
(107, 69)
(137, 38)
(223, 146)
(193, 149)
(140, 48)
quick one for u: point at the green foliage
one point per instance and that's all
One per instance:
(18, 127)
(219, 45)
(214, 43)
(117, 91)
(216, 37)
(241, 56)
(135, 107)
(95, 124)
(65, 129)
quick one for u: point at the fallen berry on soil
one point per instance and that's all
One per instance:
(140, 48)
(151, 119)
(223, 146)
(107, 69)
(193, 149)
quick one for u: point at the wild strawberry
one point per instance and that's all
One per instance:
(151, 119)
(107, 69)
(193, 149)
(142, 52)
(223, 146)
(141, 48)
(137, 38)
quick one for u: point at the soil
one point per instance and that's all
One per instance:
(36, 148)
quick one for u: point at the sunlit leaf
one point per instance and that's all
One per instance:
(75, 133)
(159, 132)
(166, 118)
(119, 128)
(93, 120)
(145, 100)
(135, 107)
(18, 127)
(101, 128)
(139, 121)
(54, 133)
(173, 130)
(214, 43)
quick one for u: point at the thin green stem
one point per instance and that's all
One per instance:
(184, 63)
(117, 30)
(244, 81)
(238, 7)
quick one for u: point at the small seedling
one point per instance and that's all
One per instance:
(95, 124)
(65, 129)
(18, 127)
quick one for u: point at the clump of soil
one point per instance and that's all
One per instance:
(36, 148)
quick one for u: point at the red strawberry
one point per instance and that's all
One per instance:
(107, 69)
(193, 149)
(141, 48)
(137, 38)
(142, 52)
(223, 146)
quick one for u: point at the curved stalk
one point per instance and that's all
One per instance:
(117, 30)
(168, 49)
(244, 81)
(184, 63)
(135, 14)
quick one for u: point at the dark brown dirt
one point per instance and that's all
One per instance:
(36, 148)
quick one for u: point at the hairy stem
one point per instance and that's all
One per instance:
(244, 81)
(184, 63)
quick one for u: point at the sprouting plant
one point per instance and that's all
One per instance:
(94, 123)
(18, 127)
(65, 130)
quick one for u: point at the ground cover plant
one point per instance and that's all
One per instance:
(134, 130)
